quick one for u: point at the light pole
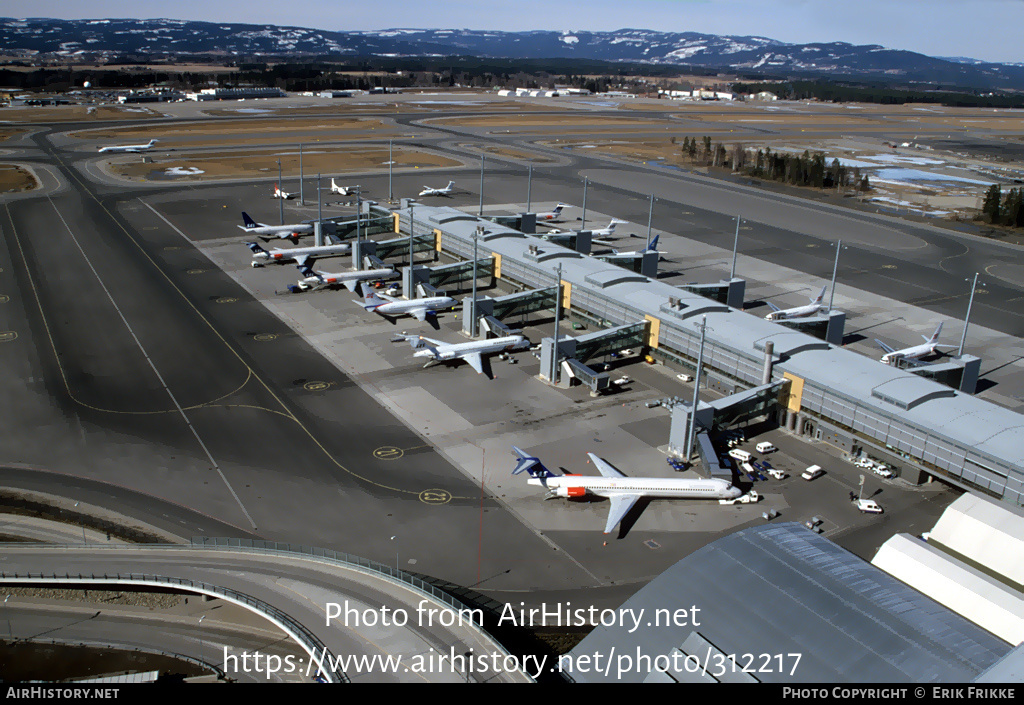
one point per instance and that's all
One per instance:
(302, 199)
(412, 232)
(481, 185)
(319, 214)
(967, 318)
(396, 552)
(650, 220)
(476, 238)
(735, 248)
(586, 182)
(280, 193)
(835, 269)
(529, 186)
(558, 315)
(692, 433)
(391, 167)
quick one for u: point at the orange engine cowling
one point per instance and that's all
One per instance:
(573, 491)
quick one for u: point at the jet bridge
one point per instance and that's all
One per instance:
(399, 246)
(643, 263)
(580, 240)
(827, 326)
(504, 307)
(574, 352)
(959, 373)
(723, 413)
(728, 291)
(461, 271)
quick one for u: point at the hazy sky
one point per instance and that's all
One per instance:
(983, 29)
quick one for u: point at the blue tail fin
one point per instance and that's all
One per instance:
(654, 244)
(530, 464)
(255, 247)
(249, 222)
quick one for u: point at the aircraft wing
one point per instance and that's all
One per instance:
(773, 307)
(884, 346)
(419, 313)
(604, 467)
(301, 260)
(476, 361)
(621, 504)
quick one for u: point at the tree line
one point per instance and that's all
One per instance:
(805, 169)
(1007, 210)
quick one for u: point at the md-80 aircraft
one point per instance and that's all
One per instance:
(472, 351)
(915, 352)
(344, 190)
(623, 491)
(298, 255)
(313, 280)
(551, 216)
(128, 147)
(417, 308)
(278, 193)
(270, 232)
(446, 191)
(780, 314)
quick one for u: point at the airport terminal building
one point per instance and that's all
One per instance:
(920, 426)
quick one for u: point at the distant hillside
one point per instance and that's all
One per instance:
(749, 56)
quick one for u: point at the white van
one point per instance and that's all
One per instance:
(813, 472)
(765, 447)
(740, 455)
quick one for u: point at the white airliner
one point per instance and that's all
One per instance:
(270, 232)
(472, 351)
(128, 147)
(916, 352)
(606, 231)
(779, 314)
(299, 255)
(621, 490)
(418, 308)
(278, 193)
(322, 280)
(343, 190)
(446, 191)
(551, 216)
(653, 247)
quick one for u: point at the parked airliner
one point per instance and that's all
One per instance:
(343, 190)
(269, 232)
(780, 314)
(321, 280)
(929, 347)
(298, 255)
(418, 308)
(446, 191)
(472, 351)
(623, 491)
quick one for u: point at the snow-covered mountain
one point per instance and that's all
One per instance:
(739, 54)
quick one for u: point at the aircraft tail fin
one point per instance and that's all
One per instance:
(935, 335)
(653, 247)
(249, 222)
(370, 299)
(255, 247)
(530, 464)
(820, 297)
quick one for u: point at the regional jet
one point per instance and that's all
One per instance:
(929, 347)
(418, 308)
(472, 351)
(446, 191)
(623, 491)
(779, 314)
(298, 255)
(278, 193)
(269, 232)
(128, 147)
(313, 280)
(343, 190)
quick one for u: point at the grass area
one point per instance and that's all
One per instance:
(15, 178)
(574, 120)
(407, 103)
(261, 164)
(76, 113)
(228, 127)
(509, 152)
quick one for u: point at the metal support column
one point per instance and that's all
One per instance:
(967, 318)
(691, 434)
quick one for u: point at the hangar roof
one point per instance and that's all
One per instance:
(782, 589)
